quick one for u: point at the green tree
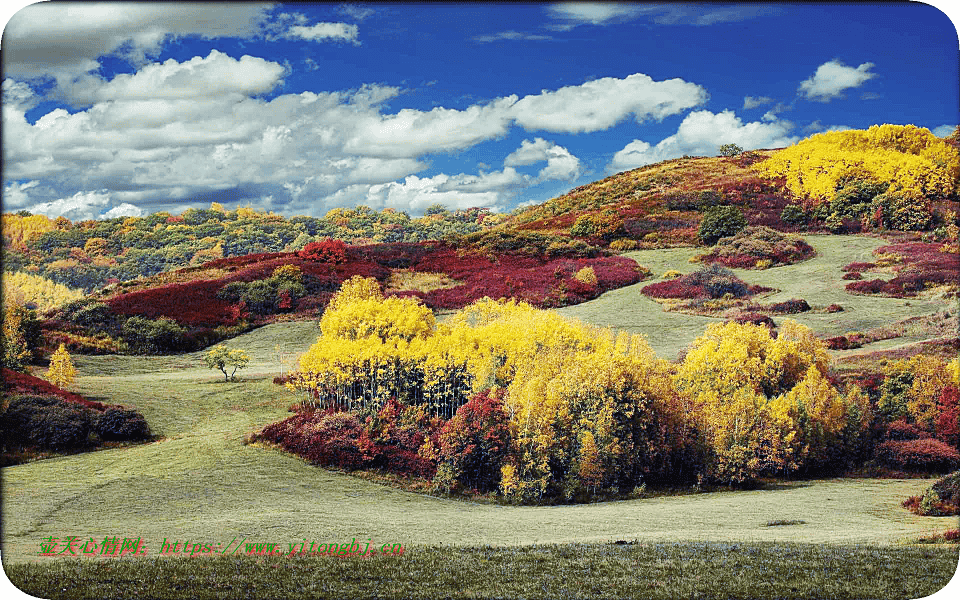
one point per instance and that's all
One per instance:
(227, 360)
(719, 222)
(730, 150)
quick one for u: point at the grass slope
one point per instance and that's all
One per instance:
(818, 281)
(701, 570)
(202, 482)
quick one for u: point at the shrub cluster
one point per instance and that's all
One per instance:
(720, 222)
(942, 499)
(328, 251)
(921, 265)
(758, 247)
(56, 423)
(790, 307)
(505, 397)
(709, 282)
(390, 439)
(199, 306)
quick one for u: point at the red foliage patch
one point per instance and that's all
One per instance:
(925, 454)
(901, 430)
(328, 251)
(702, 284)
(15, 383)
(859, 266)
(538, 281)
(923, 265)
(948, 423)
(853, 275)
(840, 342)
(390, 441)
(193, 303)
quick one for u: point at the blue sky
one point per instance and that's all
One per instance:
(131, 108)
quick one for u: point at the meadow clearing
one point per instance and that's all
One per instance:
(199, 481)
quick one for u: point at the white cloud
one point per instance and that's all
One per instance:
(755, 101)
(79, 207)
(18, 95)
(16, 195)
(65, 40)
(702, 133)
(832, 78)
(175, 133)
(511, 35)
(122, 210)
(593, 13)
(415, 194)
(355, 11)
(602, 103)
(572, 14)
(561, 165)
(212, 77)
(413, 132)
(943, 130)
(324, 32)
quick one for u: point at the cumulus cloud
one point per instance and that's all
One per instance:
(16, 195)
(176, 133)
(325, 32)
(832, 78)
(65, 40)
(214, 76)
(702, 133)
(416, 194)
(122, 210)
(602, 103)
(79, 207)
(561, 165)
(755, 101)
(18, 95)
(413, 132)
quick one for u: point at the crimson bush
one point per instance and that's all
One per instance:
(925, 454)
(474, 442)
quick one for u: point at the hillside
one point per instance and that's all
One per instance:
(661, 203)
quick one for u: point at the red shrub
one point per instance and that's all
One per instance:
(839, 343)
(328, 251)
(855, 275)
(475, 441)
(901, 430)
(925, 454)
(948, 423)
(390, 441)
(859, 266)
(15, 383)
(834, 308)
(874, 286)
(951, 535)
(912, 504)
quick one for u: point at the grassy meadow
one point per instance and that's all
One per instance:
(199, 481)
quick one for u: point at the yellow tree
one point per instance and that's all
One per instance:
(61, 371)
